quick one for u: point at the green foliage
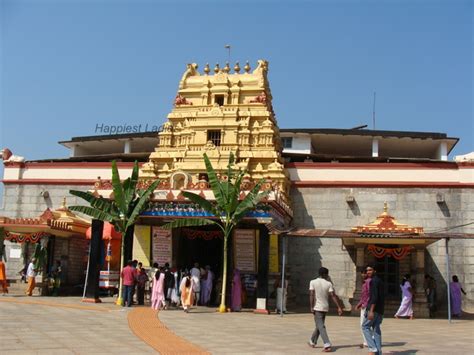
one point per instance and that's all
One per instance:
(190, 222)
(123, 211)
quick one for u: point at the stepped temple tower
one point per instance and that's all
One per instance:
(219, 113)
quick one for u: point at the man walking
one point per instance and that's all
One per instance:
(128, 276)
(374, 313)
(31, 277)
(319, 291)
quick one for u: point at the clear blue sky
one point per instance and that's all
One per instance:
(67, 65)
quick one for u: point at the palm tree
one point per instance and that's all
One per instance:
(227, 207)
(122, 211)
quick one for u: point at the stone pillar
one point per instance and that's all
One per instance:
(262, 277)
(360, 264)
(420, 306)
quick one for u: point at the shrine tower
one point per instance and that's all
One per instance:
(219, 113)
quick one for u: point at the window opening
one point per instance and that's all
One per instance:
(214, 137)
(219, 99)
(287, 142)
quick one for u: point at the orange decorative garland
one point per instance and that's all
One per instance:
(24, 237)
(396, 253)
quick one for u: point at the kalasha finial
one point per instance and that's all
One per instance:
(216, 68)
(385, 207)
(227, 67)
(237, 67)
(247, 67)
(207, 70)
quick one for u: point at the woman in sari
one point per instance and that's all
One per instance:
(456, 297)
(158, 292)
(406, 307)
(186, 289)
(236, 292)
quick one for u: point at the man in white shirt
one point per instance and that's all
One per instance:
(196, 277)
(31, 275)
(319, 291)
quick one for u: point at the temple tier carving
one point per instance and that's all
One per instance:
(219, 114)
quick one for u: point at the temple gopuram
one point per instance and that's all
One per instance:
(219, 114)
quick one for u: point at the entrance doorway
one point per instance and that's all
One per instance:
(202, 246)
(388, 270)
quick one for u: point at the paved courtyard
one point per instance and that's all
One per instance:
(41, 325)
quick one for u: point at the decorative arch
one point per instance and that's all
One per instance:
(179, 180)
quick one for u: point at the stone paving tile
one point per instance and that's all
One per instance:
(65, 326)
(244, 332)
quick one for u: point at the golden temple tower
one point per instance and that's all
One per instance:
(217, 114)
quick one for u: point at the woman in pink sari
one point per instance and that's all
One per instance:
(158, 292)
(406, 308)
(236, 292)
(456, 297)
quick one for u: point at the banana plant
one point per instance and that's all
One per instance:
(227, 208)
(122, 211)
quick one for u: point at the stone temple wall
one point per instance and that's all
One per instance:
(327, 208)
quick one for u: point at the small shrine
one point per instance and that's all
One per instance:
(61, 233)
(396, 249)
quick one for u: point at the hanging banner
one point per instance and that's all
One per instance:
(273, 254)
(161, 246)
(244, 250)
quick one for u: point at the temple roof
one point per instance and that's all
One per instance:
(60, 222)
(385, 223)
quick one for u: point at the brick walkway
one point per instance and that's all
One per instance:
(144, 323)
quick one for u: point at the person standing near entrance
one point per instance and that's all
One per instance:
(56, 273)
(196, 276)
(158, 292)
(406, 307)
(206, 287)
(186, 289)
(3, 277)
(319, 291)
(456, 296)
(31, 276)
(128, 276)
(362, 305)
(236, 295)
(430, 291)
(374, 313)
